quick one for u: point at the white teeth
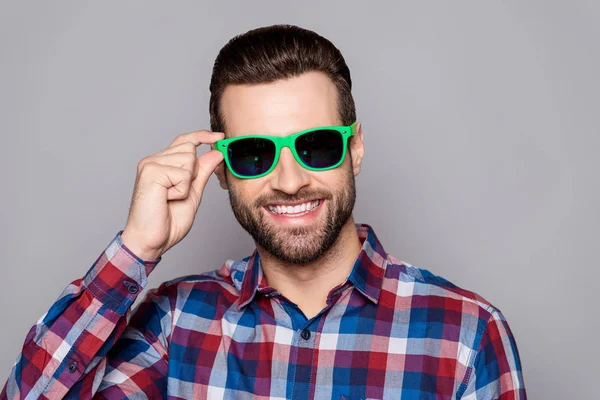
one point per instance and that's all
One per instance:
(294, 209)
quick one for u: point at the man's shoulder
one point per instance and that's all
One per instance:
(225, 280)
(427, 288)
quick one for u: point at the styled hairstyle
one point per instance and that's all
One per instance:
(276, 52)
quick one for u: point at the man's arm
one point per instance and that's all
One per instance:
(138, 362)
(496, 371)
(65, 352)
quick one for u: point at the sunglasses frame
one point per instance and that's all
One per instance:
(280, 142)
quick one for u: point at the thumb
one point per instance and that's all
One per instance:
(205, 165)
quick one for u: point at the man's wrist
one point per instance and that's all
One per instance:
(138, 250)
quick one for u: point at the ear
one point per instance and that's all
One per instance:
(357, 149)
(220, 172)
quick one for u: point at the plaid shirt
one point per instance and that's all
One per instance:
(390, 331)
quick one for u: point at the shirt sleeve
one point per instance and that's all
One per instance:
(65, 352)
(496, 371)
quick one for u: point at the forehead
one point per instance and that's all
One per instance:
(281, 107)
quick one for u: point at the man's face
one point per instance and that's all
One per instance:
(326, 198)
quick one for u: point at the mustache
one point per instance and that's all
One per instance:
(302, 196)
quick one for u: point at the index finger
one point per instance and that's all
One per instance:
(198, 138)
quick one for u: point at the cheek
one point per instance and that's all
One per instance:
(333, 179)
(248, 190)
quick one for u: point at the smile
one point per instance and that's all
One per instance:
(295, 210)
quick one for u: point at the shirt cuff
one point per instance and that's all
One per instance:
(118, 276)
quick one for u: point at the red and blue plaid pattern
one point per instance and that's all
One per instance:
(390, 331)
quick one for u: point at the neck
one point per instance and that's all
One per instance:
(307, 285)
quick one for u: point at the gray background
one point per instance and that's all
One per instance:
(481, 132)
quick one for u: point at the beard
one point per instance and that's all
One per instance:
(299, 245)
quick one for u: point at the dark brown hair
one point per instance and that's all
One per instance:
(271, 53)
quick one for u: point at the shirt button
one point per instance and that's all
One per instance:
(73, 367)
(131, 287)
(305, 334)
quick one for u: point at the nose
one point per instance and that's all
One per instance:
(289, 176)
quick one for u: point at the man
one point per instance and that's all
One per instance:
(318, 311)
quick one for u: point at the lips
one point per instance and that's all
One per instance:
(293, 209)
(295, 212)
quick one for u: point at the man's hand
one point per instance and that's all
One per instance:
(167, 193)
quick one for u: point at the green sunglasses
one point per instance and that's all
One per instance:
(316, 149)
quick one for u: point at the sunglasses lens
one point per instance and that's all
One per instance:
(321, 148)
(252, 156)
